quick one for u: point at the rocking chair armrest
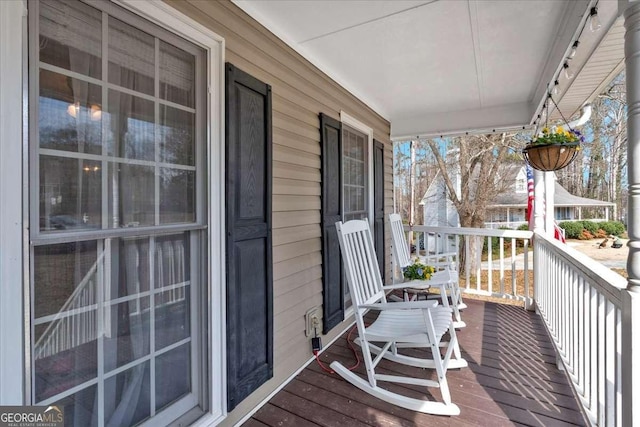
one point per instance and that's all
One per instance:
(439, 255)
(404, 305)
(419, 284)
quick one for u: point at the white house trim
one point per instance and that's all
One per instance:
(12, 362)
(357, 124)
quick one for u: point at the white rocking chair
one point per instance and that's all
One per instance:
(446, 279)
(409, 324)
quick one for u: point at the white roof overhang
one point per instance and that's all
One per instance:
(447, 67)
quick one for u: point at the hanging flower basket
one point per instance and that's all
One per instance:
(553, 150)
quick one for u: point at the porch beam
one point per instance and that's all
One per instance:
(631, 305)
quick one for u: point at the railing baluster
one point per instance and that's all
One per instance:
(490, 265)
(610, 367)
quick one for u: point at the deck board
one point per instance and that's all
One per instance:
(512, 380)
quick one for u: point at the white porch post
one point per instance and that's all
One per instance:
(549, 202)
(538, 201)
(538, 226)
(631, 306)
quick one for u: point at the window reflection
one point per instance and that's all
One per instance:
(130, 127)
(176, 136)
(70, 114)
(70, 194)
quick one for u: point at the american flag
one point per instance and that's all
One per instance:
(530, 198)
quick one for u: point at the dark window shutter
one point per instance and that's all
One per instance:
(378, 203)
(248, 244)
(332, 286)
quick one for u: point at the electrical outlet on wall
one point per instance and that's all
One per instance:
(312, 321)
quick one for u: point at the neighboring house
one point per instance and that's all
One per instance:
(509, 208)
(437, 207)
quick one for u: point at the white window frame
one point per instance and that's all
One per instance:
(13, 222)
(14, 216)
(356, 124)
(360, 126)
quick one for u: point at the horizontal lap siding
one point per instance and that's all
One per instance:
(300, 92)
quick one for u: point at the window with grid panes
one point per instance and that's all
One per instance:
(118, 220)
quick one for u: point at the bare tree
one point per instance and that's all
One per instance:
(480, 164)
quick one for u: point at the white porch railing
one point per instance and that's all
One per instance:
(583, 306)
(495, 276)
(587, 310)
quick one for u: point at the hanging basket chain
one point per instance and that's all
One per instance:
(561, 115)
(550, 157)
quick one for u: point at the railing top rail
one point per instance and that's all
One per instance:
(516, 234)
(608, 282)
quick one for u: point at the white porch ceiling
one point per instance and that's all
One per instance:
(440, 67)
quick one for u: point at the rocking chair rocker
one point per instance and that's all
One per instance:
(446, 279)
(409, 324)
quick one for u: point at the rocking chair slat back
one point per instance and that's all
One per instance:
(360, 263)
(400, 251)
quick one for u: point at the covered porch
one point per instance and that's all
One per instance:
(567, 359)
(512, 379)
(544, 342)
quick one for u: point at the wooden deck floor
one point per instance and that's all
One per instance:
(511, 380)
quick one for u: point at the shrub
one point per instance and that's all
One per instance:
(524, 227)
(585, 235)
(613, 227)
(590, 226)
(601, 233)
(572, 229)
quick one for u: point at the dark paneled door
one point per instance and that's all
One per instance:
(378, 203)
(248, 244)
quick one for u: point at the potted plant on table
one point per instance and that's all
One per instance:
(418, 271)
(553, 149)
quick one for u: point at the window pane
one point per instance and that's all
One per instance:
(71, 36)
(177, 75)
(126, 332)
(127, 396)
(133, 270)
(132, 191)
(173, 378)
(176, 136)
(70, 114)
(177, 196)
(65, 277)
(80, 409)
(131, 57)
(65, 354)
(172, 309)
(70, 192)
(130, 127)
